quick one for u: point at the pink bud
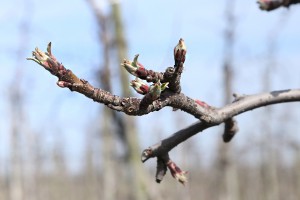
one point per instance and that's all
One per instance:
(179, 52)
(176, 172)
(139, 86)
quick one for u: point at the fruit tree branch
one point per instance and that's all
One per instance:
(165, 91)
(156, 96)
(239, 106)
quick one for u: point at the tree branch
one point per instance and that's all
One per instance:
(157, 96)
(225, 114)
(129, 105)
(240, 106)
(270, 5)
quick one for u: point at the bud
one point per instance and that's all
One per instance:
(179, 52)
(132, 66)
(39, 57)
(164, 86)
(176, 172)
(139, 86)
(63, 84)
(47, 60)
(157, 88)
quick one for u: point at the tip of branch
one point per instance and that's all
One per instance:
(146, 154)
(177, 173)
(158, 181)
(135, 59)
(161, 170)
(180, 52)
(49, 48)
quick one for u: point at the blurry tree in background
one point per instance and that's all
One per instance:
(226, 175)
(264, 167)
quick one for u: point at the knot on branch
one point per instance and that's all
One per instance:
(169, 73)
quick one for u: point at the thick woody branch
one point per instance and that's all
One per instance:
(225, 114)
(240, 106)
(270, 5)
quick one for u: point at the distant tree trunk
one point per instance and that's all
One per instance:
(108, 152)
(108, 123)
(91, 175)
(32, 168)
(228, 178)
(136, 175)
(16, 182)
(116, 122)
(268, 150)
(296, 171)
(108, 120)
(59, 181)
(17, 113)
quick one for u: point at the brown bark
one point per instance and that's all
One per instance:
(138, 185)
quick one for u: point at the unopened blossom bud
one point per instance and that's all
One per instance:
(179, 52)
(39, 57)
(177, 173)
(156, 89)
(63, 84)
(139, 86)
(46, 59)
(132, 66)
(164, 86)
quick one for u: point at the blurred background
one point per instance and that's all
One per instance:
(55, 144)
